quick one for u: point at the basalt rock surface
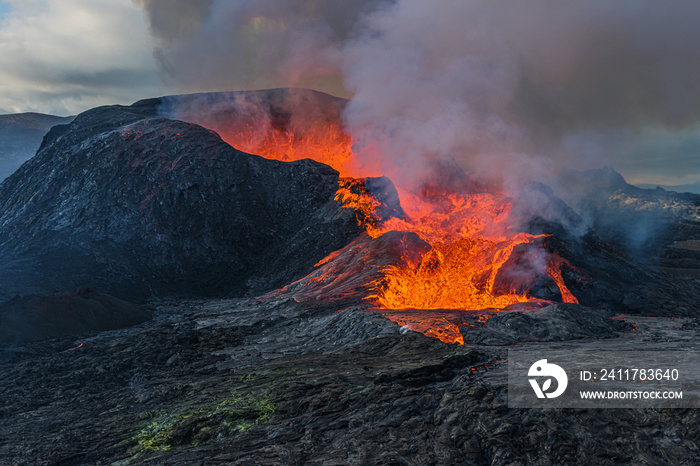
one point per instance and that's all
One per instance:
(275, 381)
(41, 317)
(558, 322)
(136, 205)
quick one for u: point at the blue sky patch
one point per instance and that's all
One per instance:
(4, 9)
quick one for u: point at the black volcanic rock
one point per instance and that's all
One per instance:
(136, 205)
(593, 184)
(286, 382)
(35, 317)
(559, 321)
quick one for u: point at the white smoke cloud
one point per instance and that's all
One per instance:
(486, 81)
(474, 80)
(425, 85)
(212, 45)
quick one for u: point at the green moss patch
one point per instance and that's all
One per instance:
(222, 419)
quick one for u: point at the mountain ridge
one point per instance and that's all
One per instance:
(136, 205)
(20, 137)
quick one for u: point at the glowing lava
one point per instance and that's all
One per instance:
(469, 235)
(470, 243)
(321, 141)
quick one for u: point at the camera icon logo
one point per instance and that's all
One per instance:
(541, 369)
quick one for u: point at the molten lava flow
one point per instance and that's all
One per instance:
(442, 325)
(471, 241)
(554, 267)
(469, 236)
(457, 275)
(355, 196)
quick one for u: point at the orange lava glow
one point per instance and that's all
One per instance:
(323, 141)
(469, 235)
(554, 271)
(441, 325)
(470, 243)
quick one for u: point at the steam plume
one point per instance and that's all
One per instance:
(480, 81)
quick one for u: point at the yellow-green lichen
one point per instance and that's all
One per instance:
(224, 418)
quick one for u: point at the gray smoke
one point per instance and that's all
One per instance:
(567, 82)
(211, 45)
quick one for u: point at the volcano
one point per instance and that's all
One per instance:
(138, 205)
(291, 286)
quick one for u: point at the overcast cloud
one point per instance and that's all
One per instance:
(65, 56)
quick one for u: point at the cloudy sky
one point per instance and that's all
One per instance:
(64, 56)
(581, 83)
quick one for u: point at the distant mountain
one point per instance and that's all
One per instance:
(20, 137)
(595, 182)
(680, 188)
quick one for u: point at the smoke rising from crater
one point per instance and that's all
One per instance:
(212, 45)
(574, 81)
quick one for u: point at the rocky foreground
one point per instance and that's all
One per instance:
(279, 382)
